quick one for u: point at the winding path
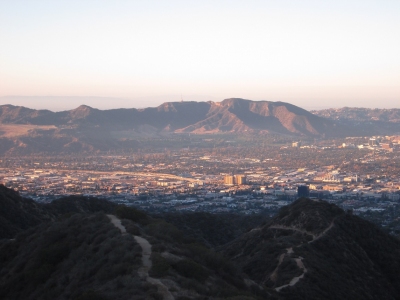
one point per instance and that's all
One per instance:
(299, 260)
(146, 260)
(296, 279)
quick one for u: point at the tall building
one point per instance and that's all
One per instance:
(303, 191)
(235, 179)
(240, 179)
(229, 179)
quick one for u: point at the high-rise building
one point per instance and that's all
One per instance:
(229, 179)
(235, 179)
(303, 191)
(240, 179)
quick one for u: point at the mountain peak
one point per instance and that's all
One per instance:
(81, 112)
(83, 107)
(309, 215)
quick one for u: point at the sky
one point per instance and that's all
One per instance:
(59, 54)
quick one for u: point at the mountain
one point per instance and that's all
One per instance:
(315, 250)
(23, 130)
(230, 115)
(365, 121)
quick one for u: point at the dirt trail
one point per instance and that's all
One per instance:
(295, 279)
(292, 228)
(146, 260)
(117, 223)
(323, 233)
(299, 260)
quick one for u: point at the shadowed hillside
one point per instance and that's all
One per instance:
(310, 250)
(314, 250)
(18, 214)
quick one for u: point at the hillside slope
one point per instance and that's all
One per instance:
(84, 256)
(309, 250)
(18, 214)
(314, 250)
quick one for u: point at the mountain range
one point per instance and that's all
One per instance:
(24, 130)
(230, 115)
(311, 249)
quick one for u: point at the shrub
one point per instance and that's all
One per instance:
(160, 265)
(165, 231)
(130, 213)
(191, 269)
(91, 295)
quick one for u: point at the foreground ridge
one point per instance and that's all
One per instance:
(299, 260)
(146, 260)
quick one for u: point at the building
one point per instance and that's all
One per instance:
(303, 191)
(240, 179)
(373, 142)
(229, 179)
(387, 146)
(235, 179)
(296, 144)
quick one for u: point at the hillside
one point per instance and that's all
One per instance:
(213, 230)
(84, 256)
(365, 121)
(310, 250)
(24, 130)
(18, 214)
(314, 250)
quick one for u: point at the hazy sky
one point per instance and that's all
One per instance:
(310, 53)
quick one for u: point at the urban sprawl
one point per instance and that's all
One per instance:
(360, 174)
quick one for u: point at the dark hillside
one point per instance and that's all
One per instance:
(18, 214)
(213, 230)
(74, 258)
(310, 250)
(80, 204)
(314, 250)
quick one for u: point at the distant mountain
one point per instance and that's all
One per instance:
(365, 121)
(86, 129)
(24, 130)
(230, 115)
(314, 250)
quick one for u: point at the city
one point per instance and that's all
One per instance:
(358, 174)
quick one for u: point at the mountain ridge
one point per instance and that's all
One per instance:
(85, 129)
(315, 250)
(309, 250)
(230, 115)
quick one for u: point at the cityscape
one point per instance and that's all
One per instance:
(359, 174)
